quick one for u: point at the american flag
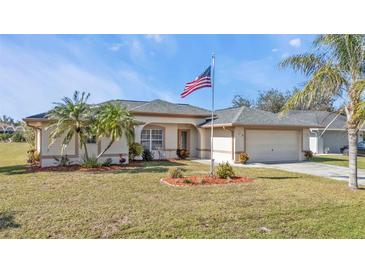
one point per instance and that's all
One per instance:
(202, 81)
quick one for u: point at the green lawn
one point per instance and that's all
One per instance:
(133, 204)
(338, 160)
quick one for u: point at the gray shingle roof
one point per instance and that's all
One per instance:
(254, 117)
(154, 106)
(322, 118)
(129, 104)
(38, 116)
(161, 106)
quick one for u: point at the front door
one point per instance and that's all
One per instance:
(183, 139)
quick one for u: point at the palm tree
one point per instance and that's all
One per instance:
(336, 69)
(114, 122)
(71, 117)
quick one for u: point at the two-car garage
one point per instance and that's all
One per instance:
(263, 145)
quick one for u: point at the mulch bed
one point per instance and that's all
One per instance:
(83, 169)
(204, 180)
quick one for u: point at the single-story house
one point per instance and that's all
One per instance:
(166, 126)
(322, 139)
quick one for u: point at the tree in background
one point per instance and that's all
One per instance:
(239, 101)
(271, 100)
(335, 69)
(7, 120)
(320, 102)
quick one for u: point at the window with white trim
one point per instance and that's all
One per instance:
(152, 139)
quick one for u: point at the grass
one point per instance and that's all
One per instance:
(338, 160)
(133, 204)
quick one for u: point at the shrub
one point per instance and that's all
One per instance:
(243, 157)
(147, 155)
(308, 154)
(5, 137)
(225, 170)
(182, 153)
(33, 156)
(122, 160)
(63, 161)
(18, 137)
(30, 136)
(176, 173)
(108, 162)
(92, 162)
(187, 181)
(135, 149)
(37, 156)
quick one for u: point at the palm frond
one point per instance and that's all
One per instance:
(325, 82)
(114, 122)
(358, 87)
(347, 49)
(306, 63)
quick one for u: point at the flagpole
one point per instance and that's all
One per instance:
(212, 121)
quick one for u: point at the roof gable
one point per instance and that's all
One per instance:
(255, 117)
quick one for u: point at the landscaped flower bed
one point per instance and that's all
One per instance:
(204, 180)
(84, 169)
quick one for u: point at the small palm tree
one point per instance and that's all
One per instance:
(69, 118)
(336, 70)
(113, 121)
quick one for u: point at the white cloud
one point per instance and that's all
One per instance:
(46, 78)
(143, 84)
(135, 48)
(155, 37)
(259, 74)
(116, 47)
(274, 50)
(295, 42)
(137, 51)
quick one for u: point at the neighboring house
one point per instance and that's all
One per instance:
(166, 126)
(6, 128)
(324, 140)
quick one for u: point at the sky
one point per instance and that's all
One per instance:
(37, 70)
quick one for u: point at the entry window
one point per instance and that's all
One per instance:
(152, 139)
(184, 139)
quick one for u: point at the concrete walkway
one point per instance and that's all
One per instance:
(310, 168)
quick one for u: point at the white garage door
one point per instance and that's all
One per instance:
(272, 145)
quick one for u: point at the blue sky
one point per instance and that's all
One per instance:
(36, 70)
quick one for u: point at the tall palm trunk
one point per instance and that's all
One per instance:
(83, 143)
(352, 136)
(107, 147)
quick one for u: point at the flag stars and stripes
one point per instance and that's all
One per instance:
(202, 81)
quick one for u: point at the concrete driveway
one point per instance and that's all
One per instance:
(317, 169)
(310, 168)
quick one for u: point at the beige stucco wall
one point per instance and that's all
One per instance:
(170, 126)
(239, 141)
(306, 137)
(228, 142)
(54, 149)
(38, 137)
(222, 145)
(48, 152)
